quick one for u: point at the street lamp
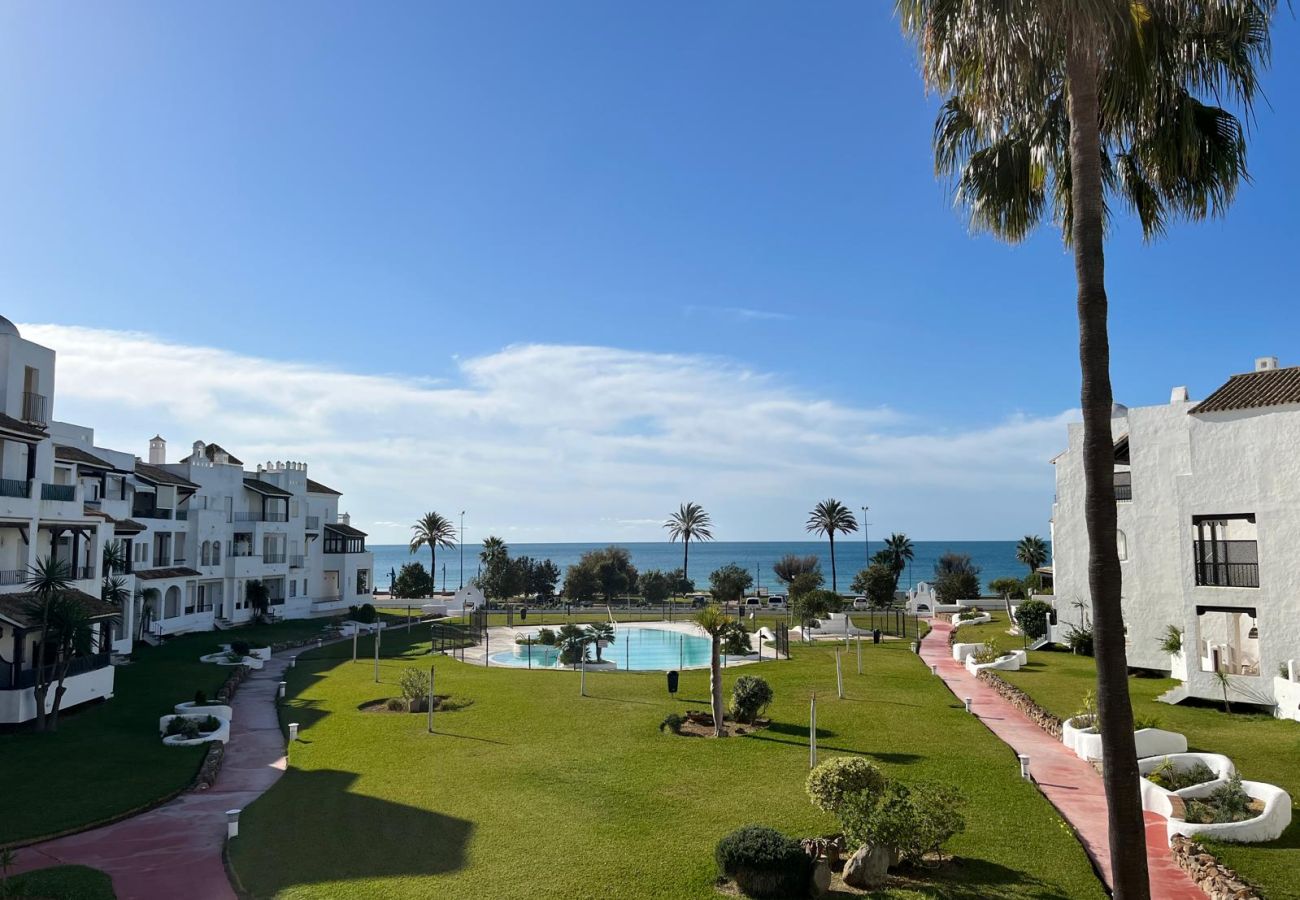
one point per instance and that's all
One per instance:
(462, 549)
(866, 537)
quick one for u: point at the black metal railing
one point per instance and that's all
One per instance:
(34, 409)
(151, 512)
(1123, 485)
(182, 515)
(81, 573)
(63, 492)
(1226, 563)
(271, 559)
(15, 487)
(79, 666)
(10, 577)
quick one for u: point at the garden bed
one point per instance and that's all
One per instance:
(698, 723)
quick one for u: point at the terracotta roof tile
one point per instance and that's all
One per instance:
(1273, 387)
(316, 487)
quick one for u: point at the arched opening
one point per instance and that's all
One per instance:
(205, 554)
(172, 603)
(216, 553)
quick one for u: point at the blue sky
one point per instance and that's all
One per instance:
(407, 191)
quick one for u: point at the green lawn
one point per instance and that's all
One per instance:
(60, 883)
(106, 759)
(533, 791)
(1263, 749)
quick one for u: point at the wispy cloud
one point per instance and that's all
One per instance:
(558, 442)
(740, 313)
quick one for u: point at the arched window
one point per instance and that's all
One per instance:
(1121, 544)
(172, 605)
(216, 553)
(206, 553)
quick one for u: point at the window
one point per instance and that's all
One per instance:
(205, 554)
(1228, 639)
(293, 587)
(216, 553)
(1124, 485)
(172, 603)
(1225, 552)
(1121, 544)
(363, 581)
(293, 509)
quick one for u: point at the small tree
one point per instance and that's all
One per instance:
(656, 586)
(412, 582)
(146, 604)
(792, 565)
(572, 641)
(597, 633)
(715, 623)
(49, 580)
(956, 577)
(1031, 616)
(729, 583)
(750, 696)
(258, 597)
(542, 579)
(581, 583)
(805, 582)
(1013, 588)
(876, 582)
(810, 608)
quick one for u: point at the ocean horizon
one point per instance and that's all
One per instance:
(996, 559)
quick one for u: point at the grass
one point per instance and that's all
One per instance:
(532, 791)
(106, 759)
(994, 630)
(60, 883)
(1262, 747)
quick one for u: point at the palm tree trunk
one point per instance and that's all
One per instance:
(715, 687)
(1119, 755)
(686, 559)
(433, 574)
(41, 687)
(834, 588)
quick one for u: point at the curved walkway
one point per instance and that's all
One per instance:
(175, 850)
(1072, 785)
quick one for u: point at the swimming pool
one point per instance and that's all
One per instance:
(634, 649)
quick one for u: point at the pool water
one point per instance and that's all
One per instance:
(634, 649)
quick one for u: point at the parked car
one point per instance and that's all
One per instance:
(776, 600)
(861, 603)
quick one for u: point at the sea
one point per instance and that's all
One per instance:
(996, 559)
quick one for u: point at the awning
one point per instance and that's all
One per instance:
(266, 489)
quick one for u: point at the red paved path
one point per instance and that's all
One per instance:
(1072, 785)
(175, 849)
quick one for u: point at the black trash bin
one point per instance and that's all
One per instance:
(523, 613)
(875, 636)
(672, 681)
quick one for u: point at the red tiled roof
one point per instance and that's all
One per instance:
(1253, 390)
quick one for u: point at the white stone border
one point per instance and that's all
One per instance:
(1007, 662)
(1267, 826)
(220, 710)
(222, 733)
(1086, 743)
(959, 620)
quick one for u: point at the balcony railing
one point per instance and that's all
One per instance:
(12, 680)
(34, 409)
(63, 492)
(10, 577)
(82, 573)
(151, 512)
(182, 515)
(313, 523)
(259, 516)
(15, 487)
(1123, 485)
(296, 562)
(1226, 563)
(272, 559)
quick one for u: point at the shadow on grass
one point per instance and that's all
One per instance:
(962, 879)
(797, 730)
(366, 837)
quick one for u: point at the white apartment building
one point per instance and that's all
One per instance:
(1208, 503)
(194, 534)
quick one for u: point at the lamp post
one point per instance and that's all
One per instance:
(462, 550)
(866, 538)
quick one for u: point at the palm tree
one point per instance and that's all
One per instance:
(433, 531)
(146, 600)
(792, 565)
(598, 632)
(492, 548)
(715, 623)
(900, 551)
(114, 558)
(690, 523)
(258, 596)
(831, 517)
(1051, 106)
(1032, 552)
(47, 581)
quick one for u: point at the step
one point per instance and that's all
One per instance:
(1174, 696)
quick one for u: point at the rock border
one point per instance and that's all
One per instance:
(1211, 876)
(1023, 702)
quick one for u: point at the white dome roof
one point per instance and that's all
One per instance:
(8, 328)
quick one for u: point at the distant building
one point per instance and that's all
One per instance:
(193, 534)
(1208, 502)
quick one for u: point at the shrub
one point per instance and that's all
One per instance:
(735, 641)
(749, 698)
(1008, 587)
(396, 704)
(414, 684)
(672, 722)
(1146, 720)
(910, 820)
(200, 698)
(1227, 803)
(209, 724)
(412, 581)
(988, 653)
(183, 727)
(1080, 640)
(240, 647)
(1168, 776)
(546, 636)
(1087, 714)
(1031, 616)
(234, 656)
(1172, 642)
(764, 863)
(365, 613)
(833, 781)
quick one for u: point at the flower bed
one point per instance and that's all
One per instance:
(1084, 739)
(220, 710)
(961, 651)
(220, 733)
(1159, 797)
(1007, 662)
(1271, 805)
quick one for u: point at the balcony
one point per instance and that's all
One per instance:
(1226, 563)
(1123, 486)
(259, 516)
(11, 680)
(15, 487)
(296, 562)
(313, 523)
(272, 559)
(151, 512)
(34, 409)
(62, 492)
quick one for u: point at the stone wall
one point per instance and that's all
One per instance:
(227, 691)
(1023, 702)
(211, 765)
(1215, 879)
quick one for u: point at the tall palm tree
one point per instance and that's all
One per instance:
(715, 623)
(1050, 106)
(900, 551)
(48, 581)
(690, 523)
(433, 531)
(1032, 552)
(829, 518)
(493, 547)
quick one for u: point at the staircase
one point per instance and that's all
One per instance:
(1174, 696)
(151, 639)
(1040, 643)
(222, 624)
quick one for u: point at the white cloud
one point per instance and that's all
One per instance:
(549, 442)
(740, 313)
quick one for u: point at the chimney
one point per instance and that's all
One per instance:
(345, 519)
(1178, 395)
(1266, 364)
(157, 451)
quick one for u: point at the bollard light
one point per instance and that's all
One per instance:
(293, 731)
(1024, 766)
(916, 646)
(969, 703)
(320, 642)
(934, 670)
(292, 661)
(232, 823)
(282, 685)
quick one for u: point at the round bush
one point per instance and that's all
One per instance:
(836, 779)
(1031, 616)
(749, 697)
(240, 647)
(764, 863)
